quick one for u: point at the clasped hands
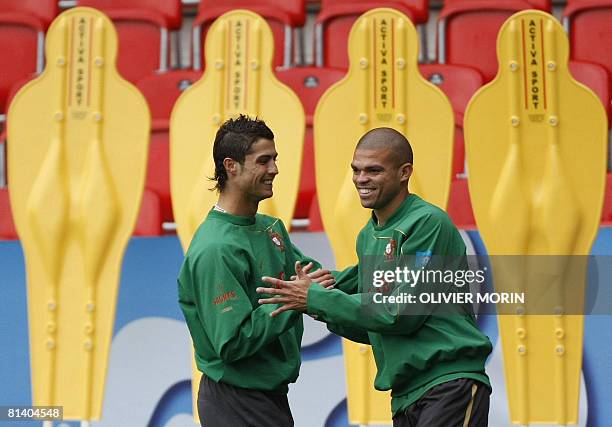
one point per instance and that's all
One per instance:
(293, 294)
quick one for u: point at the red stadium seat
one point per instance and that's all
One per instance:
(589, 24)
(7, 226)
(460, 205)
(3, 159)
(467, 31)
(158, 172)
(44, 10)
(309, 83)
(149, 221)
(336, 19)
(285, 17)
(315, 222)
(143, 28)
(459, 83)
(161, 91)
(22, 30)
(606, 214)
(595, 77)
(3, 141)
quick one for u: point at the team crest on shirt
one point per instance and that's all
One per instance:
(277, 239)
(422, 259)
(390, 249)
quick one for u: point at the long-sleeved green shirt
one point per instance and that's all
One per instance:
(235, 339)
(413, 352)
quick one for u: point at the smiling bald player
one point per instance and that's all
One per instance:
(248, 358)
(433, 364)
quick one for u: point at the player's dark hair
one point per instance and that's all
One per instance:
(387, 138)
(234, 139)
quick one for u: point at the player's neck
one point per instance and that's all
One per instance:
(384, 213)
(235, 204)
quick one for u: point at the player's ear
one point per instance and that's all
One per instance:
(405, 172)
(230, 165)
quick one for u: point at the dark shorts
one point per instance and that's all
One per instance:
(458, 403)
(223, 405)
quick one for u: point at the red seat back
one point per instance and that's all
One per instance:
(315, 222)
(140, 25)
(460, 205)
(606, 214)
(149, 221)
(309, 83)
(161, 92)
(279, 14)
(18, 50)
(7, 226)
(44, 10)
(590, 31)
(22, 23)
(471, 27)
(171, 10)
(337, 17)
(158, 172)
(418, 9)
(459, 84)
(596, 78)
(294, 10)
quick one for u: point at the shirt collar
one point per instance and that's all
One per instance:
(232, 219)
(397, 215)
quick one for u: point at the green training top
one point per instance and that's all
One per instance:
(413, 353)
(235, 339)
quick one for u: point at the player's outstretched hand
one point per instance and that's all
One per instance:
(291, 294)
(321, 276)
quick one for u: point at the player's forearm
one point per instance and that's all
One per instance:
(255, 332)
(347, 280)
(336, 307)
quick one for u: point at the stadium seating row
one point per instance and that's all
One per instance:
(467, 31)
